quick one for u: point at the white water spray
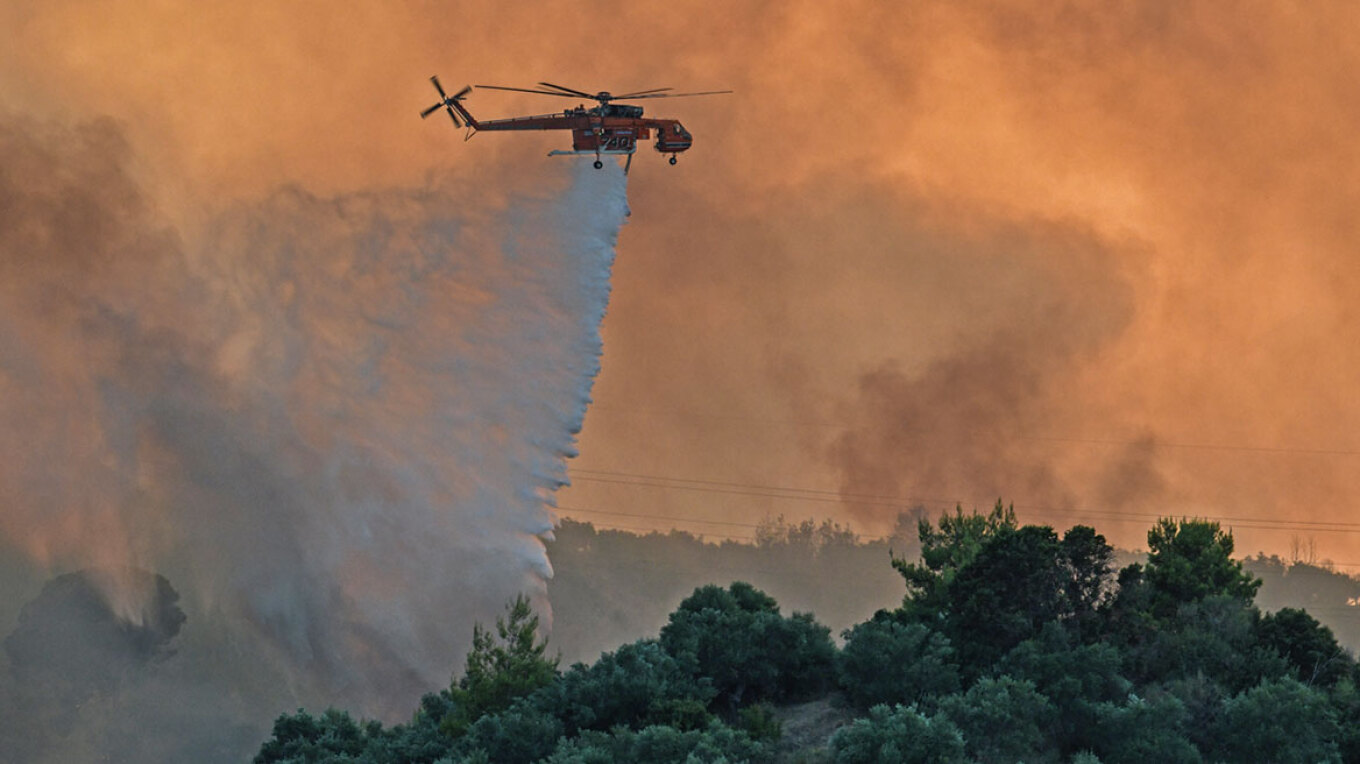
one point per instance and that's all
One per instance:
(335, 425)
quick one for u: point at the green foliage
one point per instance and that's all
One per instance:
(500, 668)
(517, 735)
(662, 745)
(1014, 645)
(1004, 704)
(1127, 617)
(736, 639)
(1014, 585)
(1139, 731)
(1201, 700)
(759, 721)
(1087, 558)
(1189, 560)
(1308, 646)
(991, 584)
(1065, 671)
(637, 686)
(420, 741)
(946, 550)
(898, 734)
(302, 738)
(1076, 678)
(1215, 637)
(1279, 720)
(888, 661)
(1345, 700)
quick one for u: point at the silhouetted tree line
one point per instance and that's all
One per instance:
(612, 586)
(1012, 643)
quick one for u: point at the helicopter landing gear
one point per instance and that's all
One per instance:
(599, 165)
(672, 159)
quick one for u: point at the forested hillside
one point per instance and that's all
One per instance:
(613, 587)
(1011, 643)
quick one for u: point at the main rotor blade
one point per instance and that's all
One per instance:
(675, 95)
(466, 89)
(438, 87)
(640, 93)
(569, 90)
(430, 110)
(526, 90)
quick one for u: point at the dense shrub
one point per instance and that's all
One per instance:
(662, 745)
(1004, 720)
(898, 734)
(736, 639)
(888, 661)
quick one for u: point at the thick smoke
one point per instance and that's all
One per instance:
(1220, 141)
(334, 424)
(974, 423)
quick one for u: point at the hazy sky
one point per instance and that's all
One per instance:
(1091, 257)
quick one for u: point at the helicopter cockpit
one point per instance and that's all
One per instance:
(620, 110)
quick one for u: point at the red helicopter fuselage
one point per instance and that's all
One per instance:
(606, 129)
(610, 128)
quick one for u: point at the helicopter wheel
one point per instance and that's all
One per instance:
(672, 160)
(599, 165)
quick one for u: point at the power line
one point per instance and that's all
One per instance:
(825, 496)
(772, 492)
(819, 492)
(1143, 442)
(908, 502)
(644, 529)
(864, 540)
(660, 517)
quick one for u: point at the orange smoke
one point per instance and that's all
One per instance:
(1083, 256)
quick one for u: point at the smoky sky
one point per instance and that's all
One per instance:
(1078, 257)
(263, 331)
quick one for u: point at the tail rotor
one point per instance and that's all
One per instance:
(446, 101)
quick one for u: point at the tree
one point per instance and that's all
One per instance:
(420, 741)
(1345, 700)
(944, 552)
(1088, 558)
(1201, 701)
(1076, 678)
(520, 734)
(1013, 586)
(636, 686)
(1215, 637)
(1003, 720)
(501, 667)
(807, 536)
(1308, 646)
(898, 734)
(736, 639)
(1189, 560)
(1278, 720)
(1142, 730)
(888, 661)
(663, 745)
(302, 738)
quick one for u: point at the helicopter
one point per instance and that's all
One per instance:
(607, 129)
